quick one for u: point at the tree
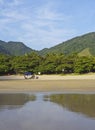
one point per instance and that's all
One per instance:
(28, 62)
(83, 65)
(5, 65)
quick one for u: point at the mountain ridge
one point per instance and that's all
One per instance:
(83, 45)
(14, 48)
(74, 45)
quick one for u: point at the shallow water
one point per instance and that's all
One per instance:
(47, 111)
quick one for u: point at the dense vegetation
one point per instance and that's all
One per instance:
(84, 45)
(49, 64)
(73, 56)
(14, 48)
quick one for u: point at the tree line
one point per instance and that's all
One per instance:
(50, 64)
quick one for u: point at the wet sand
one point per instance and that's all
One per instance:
(53, 83)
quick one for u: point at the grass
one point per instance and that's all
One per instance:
(85, 52)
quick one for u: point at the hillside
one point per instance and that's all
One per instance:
(14, 48)
(84, 45)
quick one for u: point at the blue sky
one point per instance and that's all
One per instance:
(45, 23)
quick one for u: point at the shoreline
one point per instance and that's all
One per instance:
(48, 83)
(90, 76)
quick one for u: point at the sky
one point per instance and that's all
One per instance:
(45, 23)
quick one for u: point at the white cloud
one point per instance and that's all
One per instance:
(39, 27)
(44, 31)
(48, 12)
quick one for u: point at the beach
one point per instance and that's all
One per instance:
(48, 83)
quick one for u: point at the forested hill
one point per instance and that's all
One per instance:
(83, 45)
(14, 48)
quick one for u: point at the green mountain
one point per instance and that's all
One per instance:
(83, 45)
(14, 48)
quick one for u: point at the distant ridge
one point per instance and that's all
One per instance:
(83, 45)
(14, 48)
(74, 45)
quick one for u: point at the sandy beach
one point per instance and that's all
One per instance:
(48, 83)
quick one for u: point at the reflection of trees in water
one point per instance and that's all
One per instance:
(83, 103)
(11, 101)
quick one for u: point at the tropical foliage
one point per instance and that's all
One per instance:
(50, 64)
